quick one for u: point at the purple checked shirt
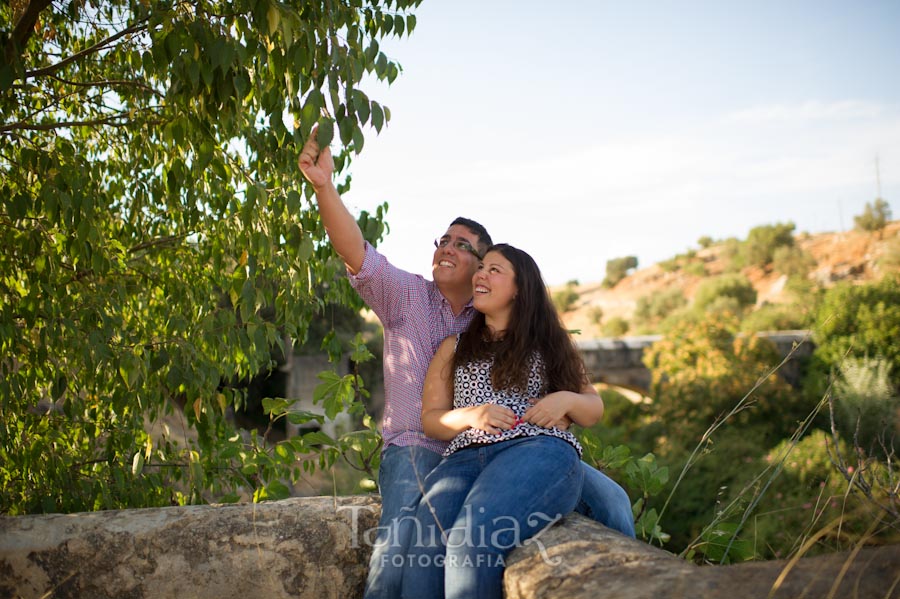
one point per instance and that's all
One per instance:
(416, 318)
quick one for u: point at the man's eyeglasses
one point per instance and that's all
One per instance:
(459, 244)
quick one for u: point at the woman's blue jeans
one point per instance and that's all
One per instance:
(479, 504)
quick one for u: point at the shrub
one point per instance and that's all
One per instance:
(874, 217)
(762, 241)
(615, 327)
(617, 269)
(565, 298)
(733, 286)
(792, 261)
(776, 317)
(867, 404)
(860, 320)
(705, 241)
(652, 309)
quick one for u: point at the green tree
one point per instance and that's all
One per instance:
(652, 309)
(792, 261)
(566, 297)
(615, 327)
(759, 247)
(158, 241)
(618, 268)
(735, 287)
(874, 217)
(858, 321)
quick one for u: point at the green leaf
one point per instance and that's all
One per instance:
(137, 463)
(377, 116)
(276, 406)
(325, 133)
(293, 202)
(276, 490)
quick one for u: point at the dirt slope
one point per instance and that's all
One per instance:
(848, 255)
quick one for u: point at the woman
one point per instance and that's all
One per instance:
(511, 468)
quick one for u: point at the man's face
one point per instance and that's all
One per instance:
(452, 265)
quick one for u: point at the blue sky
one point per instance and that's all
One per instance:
(582, 131)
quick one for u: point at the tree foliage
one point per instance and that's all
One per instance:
(563, 299)
(158, 243)
(759, 247)
(859, 321)
(874, 216)
(701, 370)
(735, 287)
(618, 268)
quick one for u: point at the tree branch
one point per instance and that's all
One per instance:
(24, 28)
(113, 121)
(77, 56)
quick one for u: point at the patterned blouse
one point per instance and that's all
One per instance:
(472, 387)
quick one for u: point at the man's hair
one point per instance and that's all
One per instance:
(484, 238)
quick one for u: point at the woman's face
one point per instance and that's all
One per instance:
(494, 285)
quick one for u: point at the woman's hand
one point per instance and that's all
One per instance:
(491, 418)
(550, 411)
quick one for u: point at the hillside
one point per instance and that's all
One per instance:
(844, 256)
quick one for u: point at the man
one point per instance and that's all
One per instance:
(417, 315)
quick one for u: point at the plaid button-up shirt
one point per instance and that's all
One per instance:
(416, 318)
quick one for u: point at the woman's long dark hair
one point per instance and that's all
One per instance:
(534, 325)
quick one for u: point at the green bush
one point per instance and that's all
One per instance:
(775, 317)
(733, 286)
(792, 261)
(565, 298)
(618, 268)
(806, 497)
(705, 241)
(874, 217)
(615, 327)
(867, 404)
(759, 248)
(858, 321)
(652, 309)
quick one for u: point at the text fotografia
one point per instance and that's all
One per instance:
(505, 534)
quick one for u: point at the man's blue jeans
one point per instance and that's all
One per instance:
(401, 481)
(479, 504)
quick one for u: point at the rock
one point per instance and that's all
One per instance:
(580, 559)
(303, 547)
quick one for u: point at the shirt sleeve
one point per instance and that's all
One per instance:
(387, 290)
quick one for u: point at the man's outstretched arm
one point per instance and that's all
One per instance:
(343, 231)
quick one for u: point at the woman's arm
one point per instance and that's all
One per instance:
(439, 419)
(584, 409)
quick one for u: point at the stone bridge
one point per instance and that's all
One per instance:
(618, 361)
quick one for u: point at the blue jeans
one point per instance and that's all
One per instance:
(401, 480)
(603, 500)
(479, 504)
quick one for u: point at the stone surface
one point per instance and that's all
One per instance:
(580, 559)
(319, 547)
(304, 547)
